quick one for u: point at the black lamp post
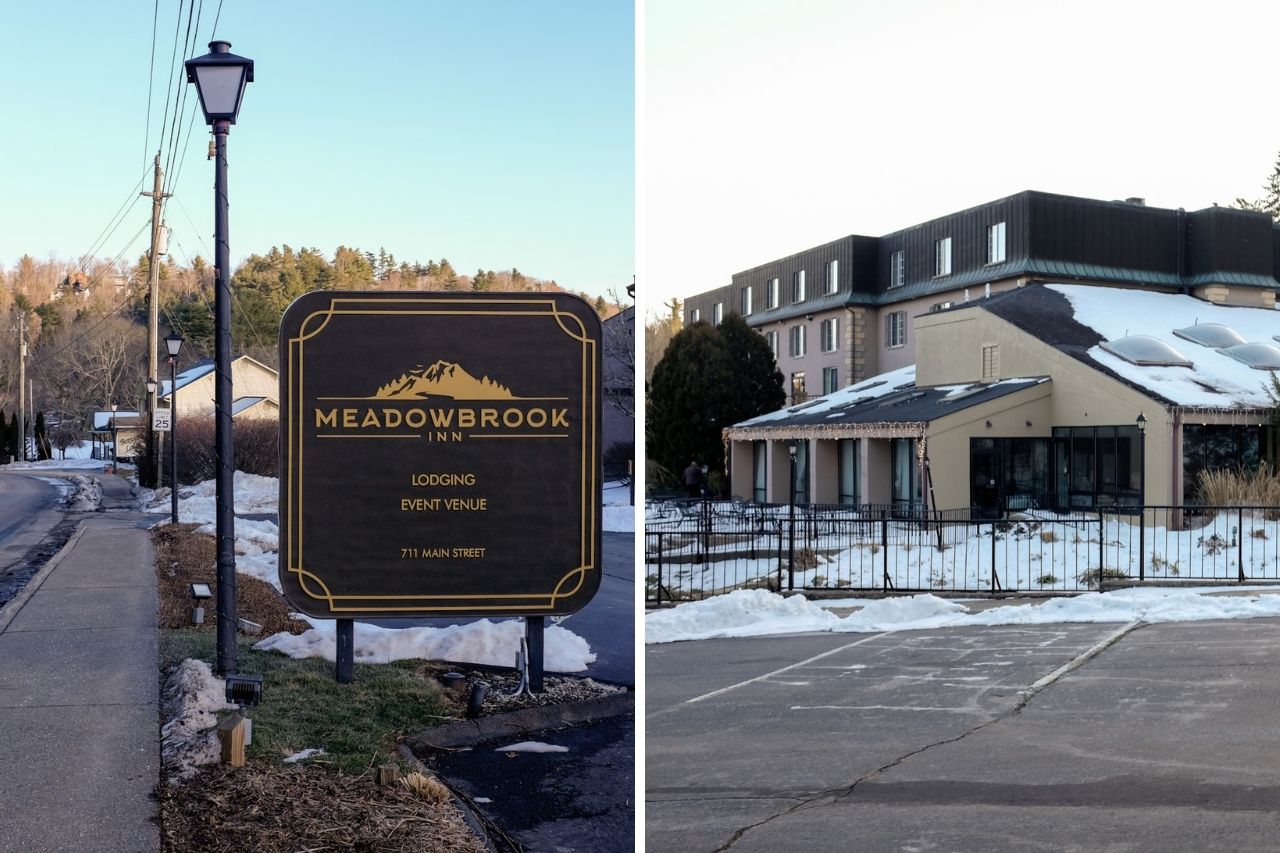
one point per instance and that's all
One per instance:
(792, 446)
(1142, 460)
(115, 456)
(173, 342)
(220, 77)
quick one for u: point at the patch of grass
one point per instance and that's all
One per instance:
(1090, 578)
(357, 725)
(1047, 580)
(1258, 533)
(1048, 536)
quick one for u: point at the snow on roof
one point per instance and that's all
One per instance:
(243, 403)
(1217, 380)
(868, 389)
(102, 420)
(191, 374)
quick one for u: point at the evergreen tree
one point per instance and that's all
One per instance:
(759, 386)
(1270, 201)
(42, 439)
(447, 276)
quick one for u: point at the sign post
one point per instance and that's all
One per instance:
(441, 456)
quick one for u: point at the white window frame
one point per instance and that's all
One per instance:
(771, 293)
(796, 337)
(833, 276)
(830, 334)
(942, 257)
(895, 329)
(996, 243)
(717, 313)
(772, 338)
(797, 287)
(746, 301)
(898, 268)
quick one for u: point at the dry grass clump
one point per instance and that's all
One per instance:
(1238, 487)
(272, 808)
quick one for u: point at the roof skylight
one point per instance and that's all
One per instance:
(1257, 356)
(1146, 350)
(1210, 335)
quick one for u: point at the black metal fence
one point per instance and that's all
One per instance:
(696, 549)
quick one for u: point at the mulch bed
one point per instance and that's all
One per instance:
(282, 808)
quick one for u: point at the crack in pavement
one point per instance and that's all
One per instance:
(1025, 696)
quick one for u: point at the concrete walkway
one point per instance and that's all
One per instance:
(79, 715)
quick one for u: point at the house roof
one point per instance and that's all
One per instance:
(1076, 320)
(204, 368)
(244, 403)
(101, 421)
(888, 399)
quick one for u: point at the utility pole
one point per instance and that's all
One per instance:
(22, 386)
(153, 304)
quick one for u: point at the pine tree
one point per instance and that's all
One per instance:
(42, 439)
(1270, 201)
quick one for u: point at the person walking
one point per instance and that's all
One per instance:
(693, 479)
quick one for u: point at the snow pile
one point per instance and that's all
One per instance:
(192, 697)
(485, 642)
(253, 538)
(751, 613)
(532, 746)
(303, 755)
(253, 494)
(742, 613)
(86, 494)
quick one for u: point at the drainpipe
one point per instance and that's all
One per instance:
(1175, 459)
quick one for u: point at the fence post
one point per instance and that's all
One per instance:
(779, 556)
(995, 580)
(658, 603)
(884, 548)
(1240, 541)
(1102, 548)
(1142, 543)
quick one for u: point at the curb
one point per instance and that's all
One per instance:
(10, 611)
(468, 732)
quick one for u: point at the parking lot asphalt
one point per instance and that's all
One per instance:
(1055, 737)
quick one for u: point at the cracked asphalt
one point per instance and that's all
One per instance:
(1055, 737)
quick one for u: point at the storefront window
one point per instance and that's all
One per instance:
(848, 461)
(1216, 447)
(758, 493)
(906, 478)
(802, 472)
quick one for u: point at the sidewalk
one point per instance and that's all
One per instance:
(79, 715)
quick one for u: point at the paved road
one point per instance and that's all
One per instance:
(29, 509)
(1165, 739)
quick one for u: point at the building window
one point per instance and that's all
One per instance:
(771, 293)
(746, 301)
(895, 329)
(772, 338)
(798, 394)
(830, 333)
(830, 380)
(833, 276)
(758, 456)
(797, 341)
(897, 269)
(995, 243)
(991, 362)
(942, 257)
(848, 464)
(695, 315)
(717, 313)
(1096, 466)
(905, 474)
(797, 286)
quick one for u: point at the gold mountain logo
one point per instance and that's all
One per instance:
(443, 379)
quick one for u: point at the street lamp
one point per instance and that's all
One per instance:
(115, 456)
(173, 342)
(792, 446)
(158, 458)
(220, 77)
(1142, 460)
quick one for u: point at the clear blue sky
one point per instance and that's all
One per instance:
(495, 134)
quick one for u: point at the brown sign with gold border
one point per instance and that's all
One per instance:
(440, 454)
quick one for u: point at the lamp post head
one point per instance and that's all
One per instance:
(173, 343)
(1142, 422)
(114, 406)
(792, 445)
(151, 386)
(220, 77)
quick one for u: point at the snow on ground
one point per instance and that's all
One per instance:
(303, 755)
(77, 457)
(483, 641)
(254, 495)
(86, 494)
(532, 746)
(192, 697)
(619, 515)
(751, 613)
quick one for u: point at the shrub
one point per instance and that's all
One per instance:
(257, 448)
(1048, 536)
(1238, 487)
(1047, 580)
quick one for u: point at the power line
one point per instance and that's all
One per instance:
(155, 21)
(104, 235)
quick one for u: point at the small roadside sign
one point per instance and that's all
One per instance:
(161, 420)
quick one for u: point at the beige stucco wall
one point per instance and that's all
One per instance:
(740, 473)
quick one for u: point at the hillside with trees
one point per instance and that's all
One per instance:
(86, 318)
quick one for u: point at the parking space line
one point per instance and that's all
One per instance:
(788, 668)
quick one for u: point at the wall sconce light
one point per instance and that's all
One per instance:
(1028, 423)
(988, 424)
(808, 316)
